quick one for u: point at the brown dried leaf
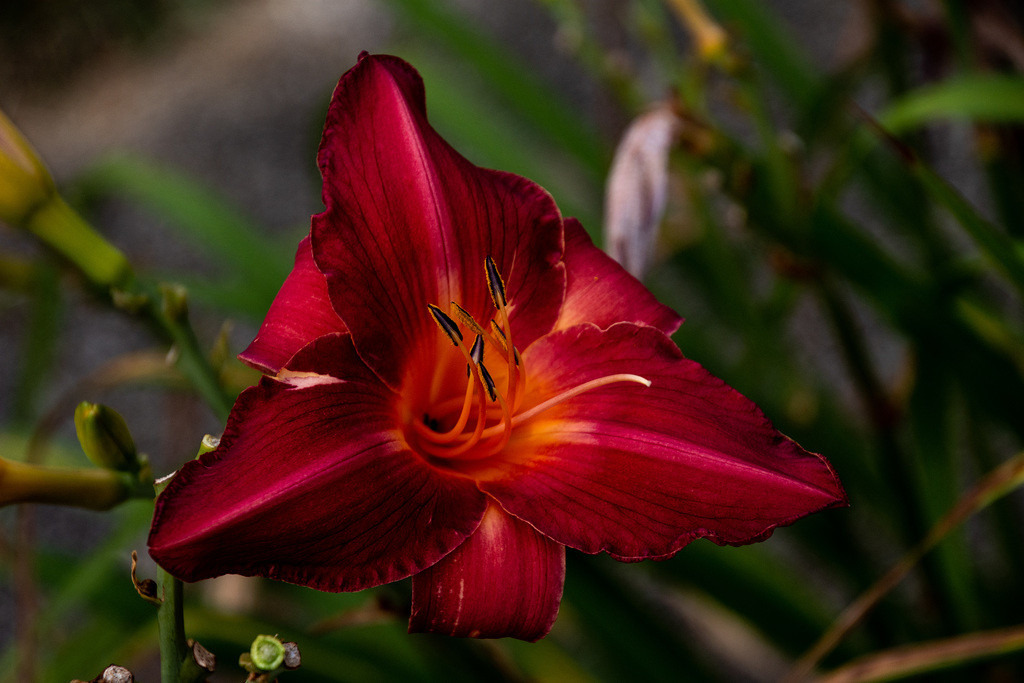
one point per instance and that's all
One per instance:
(901, 662)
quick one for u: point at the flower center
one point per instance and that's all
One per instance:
(480, 421)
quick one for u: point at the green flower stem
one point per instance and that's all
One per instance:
(171, 622)
(62, 229)
(93, 489)
(171, 322)
(178, 660)
(17, 274)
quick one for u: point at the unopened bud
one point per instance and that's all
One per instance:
(117, 674)
(209, 443)
(205, 660)
(292, 656)
(105, 438)
(25, 184)
(29, 200)
(709, 38)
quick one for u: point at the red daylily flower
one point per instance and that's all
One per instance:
(460, 385)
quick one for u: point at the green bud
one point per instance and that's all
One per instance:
(132, 302)
(267, 653)
(25, 184)
(292, 656)
(29, 200)
(209, 443)
(174, 303)
(105, 438)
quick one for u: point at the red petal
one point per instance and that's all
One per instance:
(504, 581)
(639, 471)
(600, 291)
(311, 484)
(410, 222)
(301, 312)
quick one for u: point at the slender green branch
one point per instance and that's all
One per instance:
(170, 320)
(29, 199)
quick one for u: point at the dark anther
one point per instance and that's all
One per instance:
(494, 283)
(446, 324)
(488, 382)
(476, 352)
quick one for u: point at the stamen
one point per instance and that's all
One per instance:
(503, 342)
(449, 327)
(486, 441)
(488, 382)
(490, 449)
(429, 431)
(477, 350)
(441, 450)
(495, 283)
(465, 318)
(446, 324)
(497, 287)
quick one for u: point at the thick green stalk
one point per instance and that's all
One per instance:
(171, 622)
(62, 229)
(94, 489)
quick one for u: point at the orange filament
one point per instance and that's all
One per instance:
(460, 424)
(493, 426)
(436, 443)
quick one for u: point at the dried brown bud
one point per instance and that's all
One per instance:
(205, 659)
(637, 188)
(292, 656)
(117, 674)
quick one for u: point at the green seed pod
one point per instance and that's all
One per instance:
(105, 438)
(267, 653)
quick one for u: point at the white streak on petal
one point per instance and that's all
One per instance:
(304, 380)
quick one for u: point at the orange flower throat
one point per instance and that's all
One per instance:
(485, 415)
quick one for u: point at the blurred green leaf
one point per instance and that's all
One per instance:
(1005, 254)
(526, 94)
(755, 584)
(483, 128)
(775, 51)
(628, 637)
(40, 342)
(247, 260)
(91, 607)
(989, 98)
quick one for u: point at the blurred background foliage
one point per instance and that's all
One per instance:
(843, 234)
